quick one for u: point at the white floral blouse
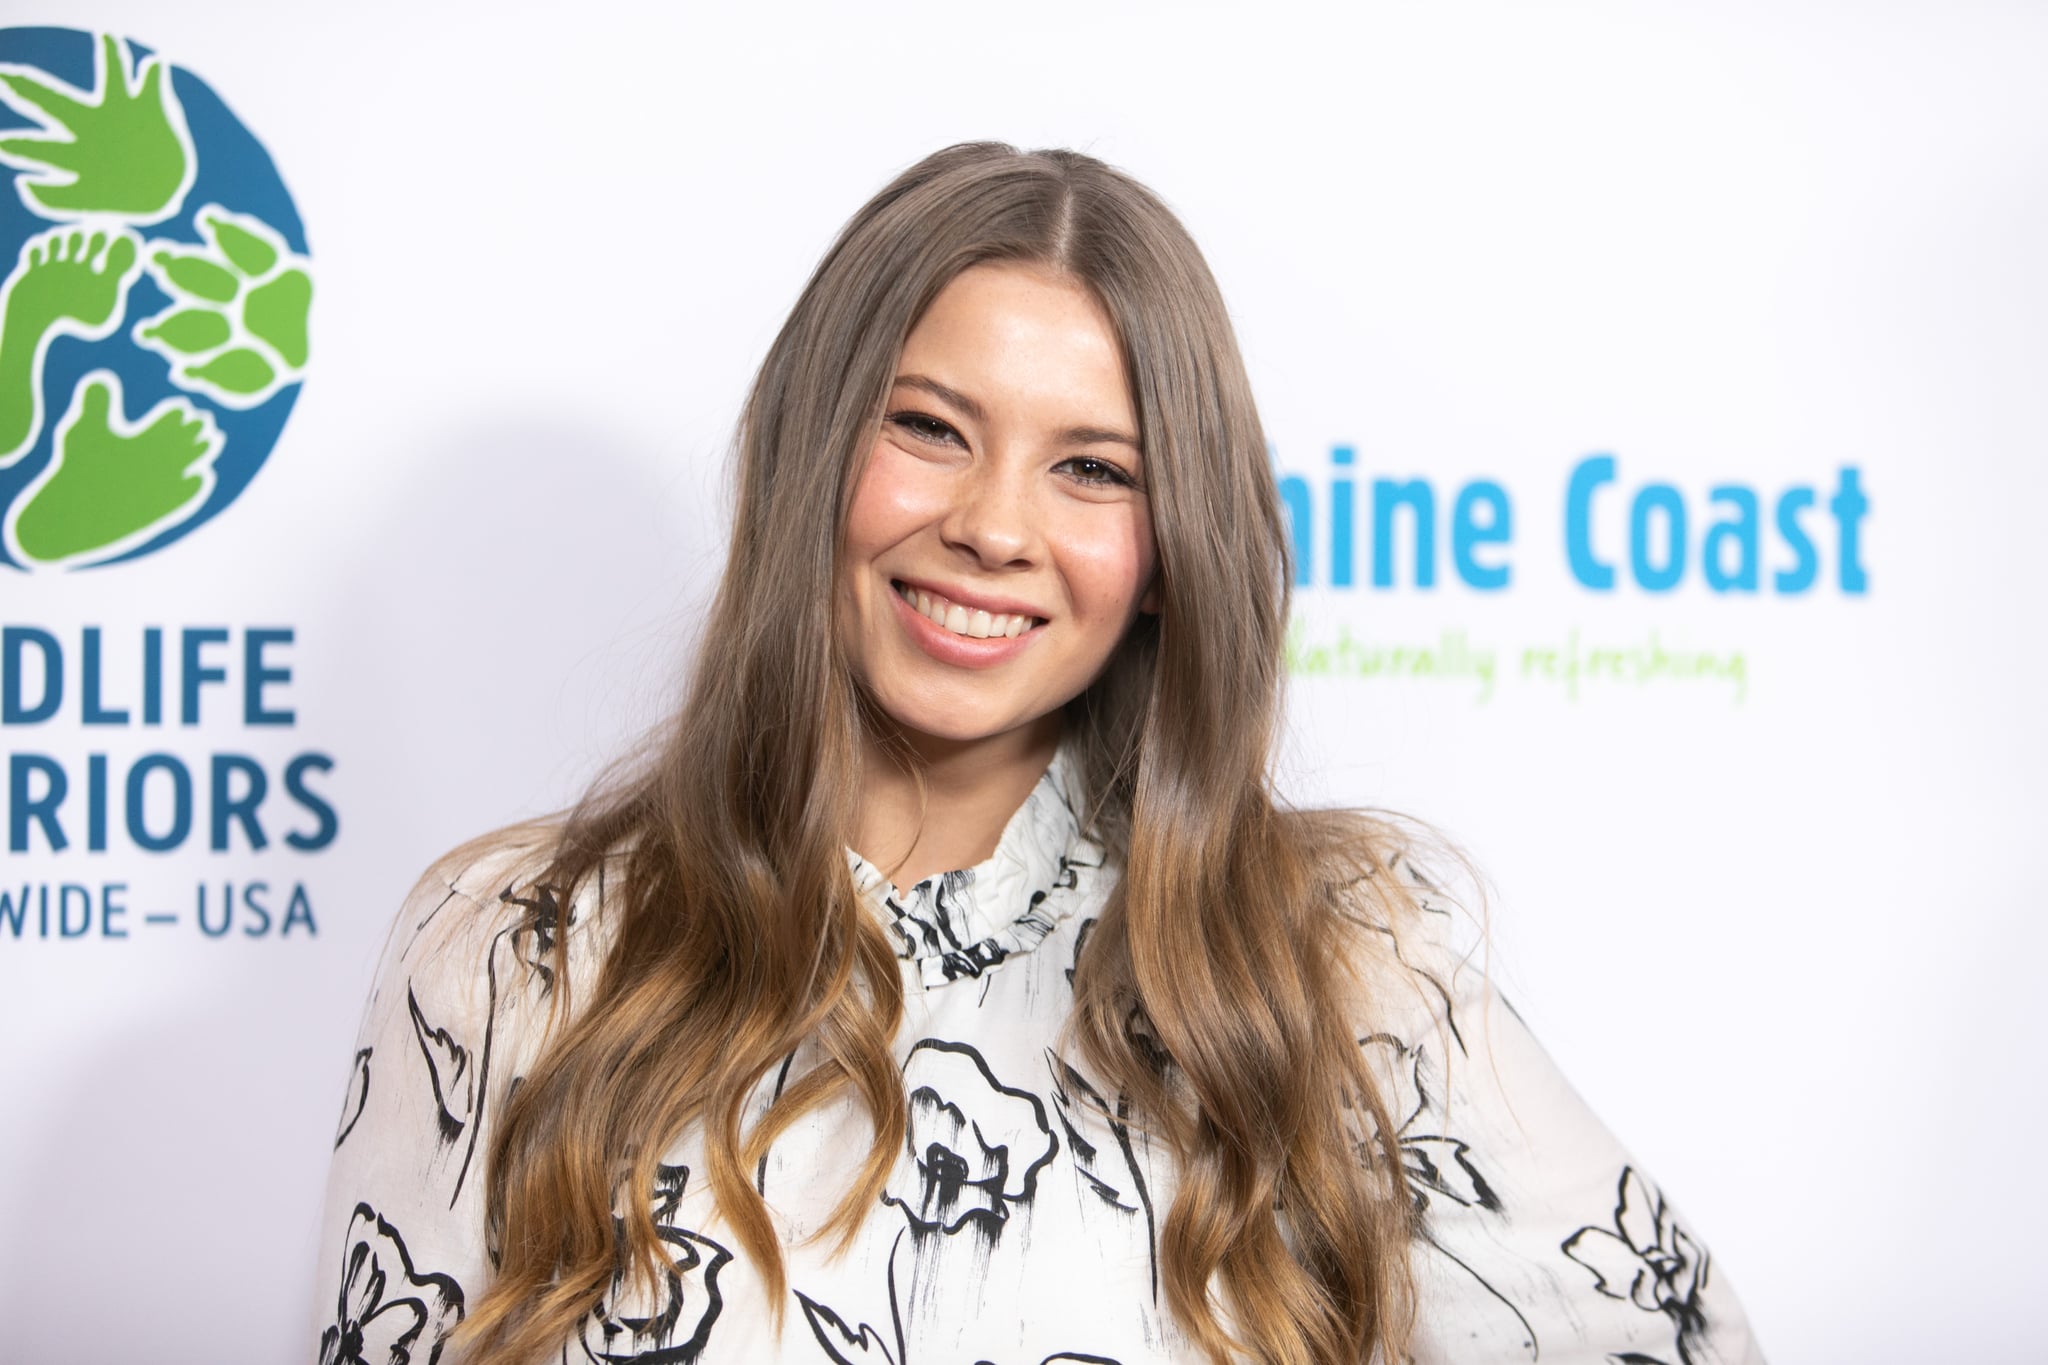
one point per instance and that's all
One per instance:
(1020, 1226)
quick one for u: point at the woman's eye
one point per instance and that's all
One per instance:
(1087, 469)
(923, 426)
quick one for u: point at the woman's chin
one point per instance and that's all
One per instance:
(957, 727)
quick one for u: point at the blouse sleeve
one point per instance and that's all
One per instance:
(460, 1006)
(1539, 1237)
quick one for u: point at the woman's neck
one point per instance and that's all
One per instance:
(944, 807)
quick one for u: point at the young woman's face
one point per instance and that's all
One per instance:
(999, 544)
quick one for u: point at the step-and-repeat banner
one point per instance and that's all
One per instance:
(1656, 397)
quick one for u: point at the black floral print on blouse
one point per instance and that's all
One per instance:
(387, 1312)
(1020, 1221)
(1646, 1258)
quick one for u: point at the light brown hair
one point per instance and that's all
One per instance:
(1213, 991)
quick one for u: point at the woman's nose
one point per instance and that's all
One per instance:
(992, 516)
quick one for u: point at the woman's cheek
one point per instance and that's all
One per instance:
(1111, 568)
(897, 494)
(874, 499)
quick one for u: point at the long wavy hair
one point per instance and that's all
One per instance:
(1213, 992)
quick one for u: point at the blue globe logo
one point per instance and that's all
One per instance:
(153, 318)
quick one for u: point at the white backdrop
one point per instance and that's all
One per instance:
(1779, 928)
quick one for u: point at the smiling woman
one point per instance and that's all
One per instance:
(998, 550)
(950, 985)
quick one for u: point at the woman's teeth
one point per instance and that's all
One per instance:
(979, 625)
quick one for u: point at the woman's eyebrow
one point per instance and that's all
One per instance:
(944, 393)
(1082, 435)
(1095, 436)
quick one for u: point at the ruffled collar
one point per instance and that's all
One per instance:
(960, 924)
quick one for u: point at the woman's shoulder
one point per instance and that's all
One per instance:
(1537, 1231)
(1408, 911)
(489, 927)
(470, 989)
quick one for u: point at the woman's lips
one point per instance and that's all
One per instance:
(961, 619)
(962, 648)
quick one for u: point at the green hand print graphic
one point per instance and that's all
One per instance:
(236, 329)
(68, 282)
(122, 149)
(112, 483)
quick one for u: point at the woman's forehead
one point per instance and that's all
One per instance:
(1015, 341)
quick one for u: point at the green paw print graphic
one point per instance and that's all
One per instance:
(236, 329)
(113, 484)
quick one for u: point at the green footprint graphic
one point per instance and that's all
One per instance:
(112, 484)
(68, 282)
(121, 148)
(236, 327)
